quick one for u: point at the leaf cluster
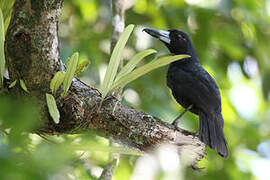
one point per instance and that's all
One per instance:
(74, 68)
(113, 81)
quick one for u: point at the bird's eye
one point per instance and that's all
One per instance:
(181, 37)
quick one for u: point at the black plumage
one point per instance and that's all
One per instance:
(194, 89)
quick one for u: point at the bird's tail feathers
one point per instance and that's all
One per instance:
(211, 132)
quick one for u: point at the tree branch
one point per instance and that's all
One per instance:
(32, 54)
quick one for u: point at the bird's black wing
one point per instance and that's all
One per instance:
(195, 86)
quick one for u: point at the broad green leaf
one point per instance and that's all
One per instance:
(57, 81)
(12, 84)
(145, 69)
(6, 6)
(132, 63)
(71, 68)
(82, 66)
(2, 54)
(23, 86)
(68, 61)
(115, 61)
(54, 113)
(165, 55)
(6, 23)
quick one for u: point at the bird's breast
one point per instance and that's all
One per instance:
(193, 85)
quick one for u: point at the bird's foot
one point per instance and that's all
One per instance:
(175, 125)
(176, 121)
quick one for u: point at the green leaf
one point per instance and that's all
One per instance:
(132, 63)
(115, 61)
(12, 84)
(23, 86)
(71, 68)
(145, 69)
(54, 113)
(6, 23)
(57, 81)
(2, 54)
(81, 67)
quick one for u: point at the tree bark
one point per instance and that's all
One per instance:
(32, 54)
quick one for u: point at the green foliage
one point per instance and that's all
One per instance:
(27, 156)
(132, 63)
(145, 69)
(74, 68)
(69, 75)
(18, 116)
(115, 60)
(56, 81)
(82, 66)
(5, 13)
(54, 113)
(113, 81)
(93, 146)
(23, 86)
(12, 84)
(6, 7)
(2, 54)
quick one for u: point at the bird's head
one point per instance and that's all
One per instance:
(177, 41)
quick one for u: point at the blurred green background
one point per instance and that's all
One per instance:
(232, 39)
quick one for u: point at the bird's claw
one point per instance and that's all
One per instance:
(175, 125)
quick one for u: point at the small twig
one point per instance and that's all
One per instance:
(107, 173)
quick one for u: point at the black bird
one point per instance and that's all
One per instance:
(194, 89)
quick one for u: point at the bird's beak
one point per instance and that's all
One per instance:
(160, 34)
